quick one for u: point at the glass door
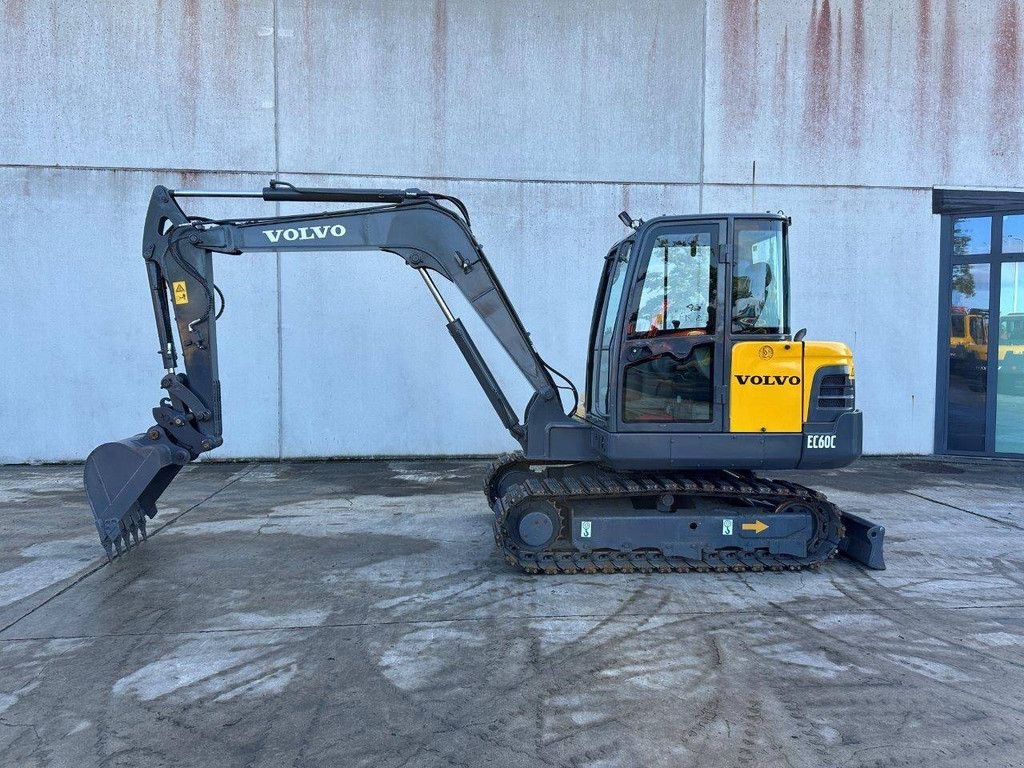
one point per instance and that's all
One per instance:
(982, 344)
(671, 360)
(967, 395)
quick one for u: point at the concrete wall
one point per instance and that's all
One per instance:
(547, 117)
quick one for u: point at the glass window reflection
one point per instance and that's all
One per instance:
(679, 288)
(599, 384)
(667, 388)
(968, 357)
(1013, 233)
(758, 301)
(972, 236)
(1010, 375)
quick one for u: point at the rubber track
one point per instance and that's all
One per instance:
(612, 485)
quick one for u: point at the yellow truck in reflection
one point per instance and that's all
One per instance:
(968, 346)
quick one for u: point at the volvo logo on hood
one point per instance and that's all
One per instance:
(304, 233)
(767, 381)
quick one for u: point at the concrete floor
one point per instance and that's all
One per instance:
(356, 614)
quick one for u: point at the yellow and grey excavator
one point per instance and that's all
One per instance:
(694, 383)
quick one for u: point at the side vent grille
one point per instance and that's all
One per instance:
(836, 392)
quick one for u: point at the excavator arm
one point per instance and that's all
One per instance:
(124, 479)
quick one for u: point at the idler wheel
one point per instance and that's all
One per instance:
(537, 526)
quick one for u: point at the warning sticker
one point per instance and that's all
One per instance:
(584, 529)
(727, 527)
(180, 292)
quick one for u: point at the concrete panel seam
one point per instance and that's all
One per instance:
(277, 254)
(483, 180)
(703, 103)
(133, 169)
(502, 179)
(278, 169)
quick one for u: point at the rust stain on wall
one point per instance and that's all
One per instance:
(232, 47)
(780, 82)
(757, 20)
(439, 68)
(232, 17)
(755, 33)
(922, 74)
(924, 29)
(14, 12)
(309, 30)
(858, 66)
(888, 55)
(188, 55)
(949, 83)
(818, 88)
(191, 20)
(55, 20)
(809, 57)
(1007, 99)
(839, 70)
(739, 41)
(652, 52)
(190, 179)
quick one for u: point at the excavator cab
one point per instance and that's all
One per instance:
(694, 382)
(691, 359)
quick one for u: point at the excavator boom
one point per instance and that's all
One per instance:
(124, 479)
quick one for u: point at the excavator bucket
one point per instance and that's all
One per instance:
(123, 481)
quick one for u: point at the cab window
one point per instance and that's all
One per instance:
(670, 388)
(679, 285)
(606, 325)
(759, 277)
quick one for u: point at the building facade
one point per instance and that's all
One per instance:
(891, 133)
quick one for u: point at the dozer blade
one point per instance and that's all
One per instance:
(123, 481)
(863, 541)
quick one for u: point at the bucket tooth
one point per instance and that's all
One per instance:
(123, 481)
(126, 534)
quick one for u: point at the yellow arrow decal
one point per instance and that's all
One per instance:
(757, 526)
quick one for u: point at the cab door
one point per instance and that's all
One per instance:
(671, 357)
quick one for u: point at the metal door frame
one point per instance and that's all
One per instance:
(961, 203)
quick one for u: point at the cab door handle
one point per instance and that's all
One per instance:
(638, 351)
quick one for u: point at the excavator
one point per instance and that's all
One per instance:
(695, 384)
